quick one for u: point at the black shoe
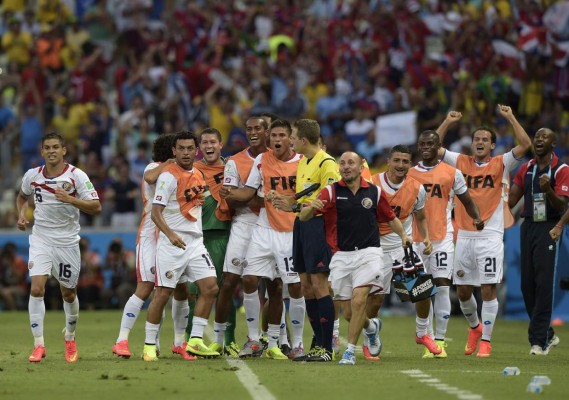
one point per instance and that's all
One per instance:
(285, 348)
(313, 344)
(322, 355)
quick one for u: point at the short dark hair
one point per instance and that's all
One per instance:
(259, 117)
(309, 129)
(53, 135)
(485, 128)
(185, 135)
(210, 131)
(281, 123)
(162, 147)
(270, 115)
(400, 148)
(431, 132)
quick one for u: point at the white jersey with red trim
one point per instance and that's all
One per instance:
(147, 227)
(55, 222)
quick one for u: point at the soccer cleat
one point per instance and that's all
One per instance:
(251, 348)
(181, 350)
(373, 338)
(214, 346)
(484, 350)
(336, 343)
(149, 353)
(474, 335)
(276, 354)
(442, 345)
(264, 342)
(298, 354)
(37, 354)
(349, 358)
(322, 355)
(197, 347)
(232, 350)
(285, 348)
(536, 350)
(121, 349)
(367, 354)
(552, 343)
(71, 354)
(430, 345)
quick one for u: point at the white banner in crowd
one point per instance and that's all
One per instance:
(393, 129)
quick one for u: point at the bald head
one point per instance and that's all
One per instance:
(351, 166)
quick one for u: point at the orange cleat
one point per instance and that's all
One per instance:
(484, 350)
(181, 350)
(71, 354)
(367, 354)
(474, 335)
(429, 343)
(121, 349)
(38, 353)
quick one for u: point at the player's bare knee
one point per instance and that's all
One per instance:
(488, 292)
(250, 283)
(295, 290)
(464, 292)
(68, 295)
(37, 291)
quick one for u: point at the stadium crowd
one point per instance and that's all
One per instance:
(111, 76)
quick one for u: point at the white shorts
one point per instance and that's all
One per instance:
(64, 263)
(146, 259)
(267, 248)
(175, 265)
(353, 269)
(439, 263)
(239, 241)
(478, 261)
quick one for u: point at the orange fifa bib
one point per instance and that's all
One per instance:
(244, 163)
(214, 180)
(190, 185)
(402, 201)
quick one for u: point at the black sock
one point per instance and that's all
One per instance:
(314, 318)
(326, 309)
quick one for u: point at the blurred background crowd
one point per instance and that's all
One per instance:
(112, 75)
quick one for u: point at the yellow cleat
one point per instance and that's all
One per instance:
(442, 345)
(197, 347)
(214, 346)
(232, 350)
(276, 354)
(149, 353)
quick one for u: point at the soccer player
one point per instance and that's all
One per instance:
(146, 255)
(407, 198)
(60, 191)
(235, 176)
(216, 225)
(544, 184)
(353, 210)
(180, 252)
(310, 251)
(271, 243)
(439, 179)
(479, 256)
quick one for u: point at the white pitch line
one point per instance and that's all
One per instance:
(443, 387)
(246, 376)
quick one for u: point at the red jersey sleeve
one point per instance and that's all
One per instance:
(384, 211)
(325, 196)
(519, 178)
(562, 182)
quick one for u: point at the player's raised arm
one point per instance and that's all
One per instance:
(524, 141)
(151, 175)
(451, 118)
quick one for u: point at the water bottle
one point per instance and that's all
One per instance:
(541, 380)
(534, 388)
(511, 371)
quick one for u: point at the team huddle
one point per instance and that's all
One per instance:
(323, 235)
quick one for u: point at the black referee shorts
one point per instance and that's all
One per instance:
(310, 251)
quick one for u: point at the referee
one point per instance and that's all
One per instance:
(311, 253)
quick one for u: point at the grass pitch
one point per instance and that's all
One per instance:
(400, 374)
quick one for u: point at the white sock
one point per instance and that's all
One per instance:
(36, 309)
(336, 332)
(370, 328)
(160, 329)
(273, 334)
(130, 314)
(297, 311)
(198, 326)
(430, 330)
(470, 310)
(351, 347)
(180, 312)
(219, 329)
(442, 311)
(151, 331)
(252, 311)
(489, 313)
(283, 338)
(421, 326)
(71, 315)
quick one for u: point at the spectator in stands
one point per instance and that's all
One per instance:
(119, 274)
(13, 271)
(91, 280)
(122, 194)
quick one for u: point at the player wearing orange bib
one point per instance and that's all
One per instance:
(480, 254)
(439, 180)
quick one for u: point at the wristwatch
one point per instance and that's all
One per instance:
(295, 207)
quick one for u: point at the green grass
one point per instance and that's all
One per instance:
(99, 375)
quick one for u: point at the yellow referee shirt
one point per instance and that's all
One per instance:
(322, 169)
